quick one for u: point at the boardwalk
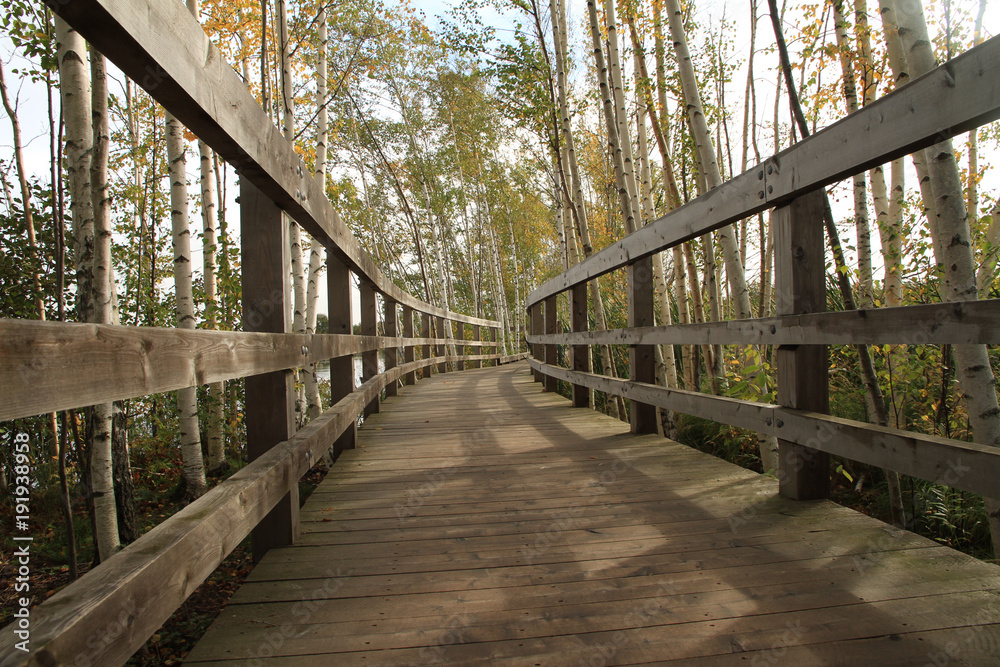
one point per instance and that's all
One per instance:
(481, 521)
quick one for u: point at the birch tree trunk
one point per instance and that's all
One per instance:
(187, 399)
(707, 155)
(102, 461)
(313, 405)
(295, 232)
(973, 369)
(865, 278)
(559, 35)
(215, 445)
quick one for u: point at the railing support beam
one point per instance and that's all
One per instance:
(426, 331)
(369, 327)
(641, 358)
(477, 335)
(270, 397)
(408, 351)
(442, 350)
(537, 324)
(578, 309)
(803, 383)
(338, 288)
(460, 349)
(551, 351)
(390, 323)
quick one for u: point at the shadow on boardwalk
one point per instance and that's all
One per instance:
(481, 521)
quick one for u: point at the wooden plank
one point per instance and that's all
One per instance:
(641, 358)
(477, 336)
(441, 349)
(961, 323)
(369, 327)
(408, 351)
(580, 354)
(551, 353)
(803, 376)
(338, 287)
(427, 331)
(390, 325)
(719, 567)
(537, 324)
(270, 397)
(136, 590)
(164, 49)
(892, 126)
(962, 465)
(70, 365)
(459, 345)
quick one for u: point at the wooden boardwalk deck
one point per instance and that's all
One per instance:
(481, 521)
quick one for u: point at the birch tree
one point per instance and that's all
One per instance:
(187, 399)
(214, 435)
(313, 406)
(954, 252)
(92, 255)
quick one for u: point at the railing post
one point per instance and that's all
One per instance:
(338, 288)
(537, 324)
(270, 407)
(425, 352)
(641, 358)
(478, 350)
(551, 351)
(391, 326)
(803, 383)
(369, 327)
(408, 355)
(578, 309)
(460, 349)
(442, 350)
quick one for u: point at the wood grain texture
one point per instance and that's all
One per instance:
(802, 370)
(962, 465)
(46, 366)
(966, 322)
(520, 532)
(270, 397)
(893, 126)
(164, 49)
(128, 597)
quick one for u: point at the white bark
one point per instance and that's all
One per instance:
(313, 405)
(973, 370)
(187, 402)
(707, 157)
(102, 466)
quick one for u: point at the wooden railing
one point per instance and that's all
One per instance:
(957, 97)
(104, 617)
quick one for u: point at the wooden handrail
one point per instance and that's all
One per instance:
(71, 365)
(964, 97)
(961, 465)
(957, 323)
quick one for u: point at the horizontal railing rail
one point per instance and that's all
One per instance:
(790, 182)
(69, 365)
(964, 97)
